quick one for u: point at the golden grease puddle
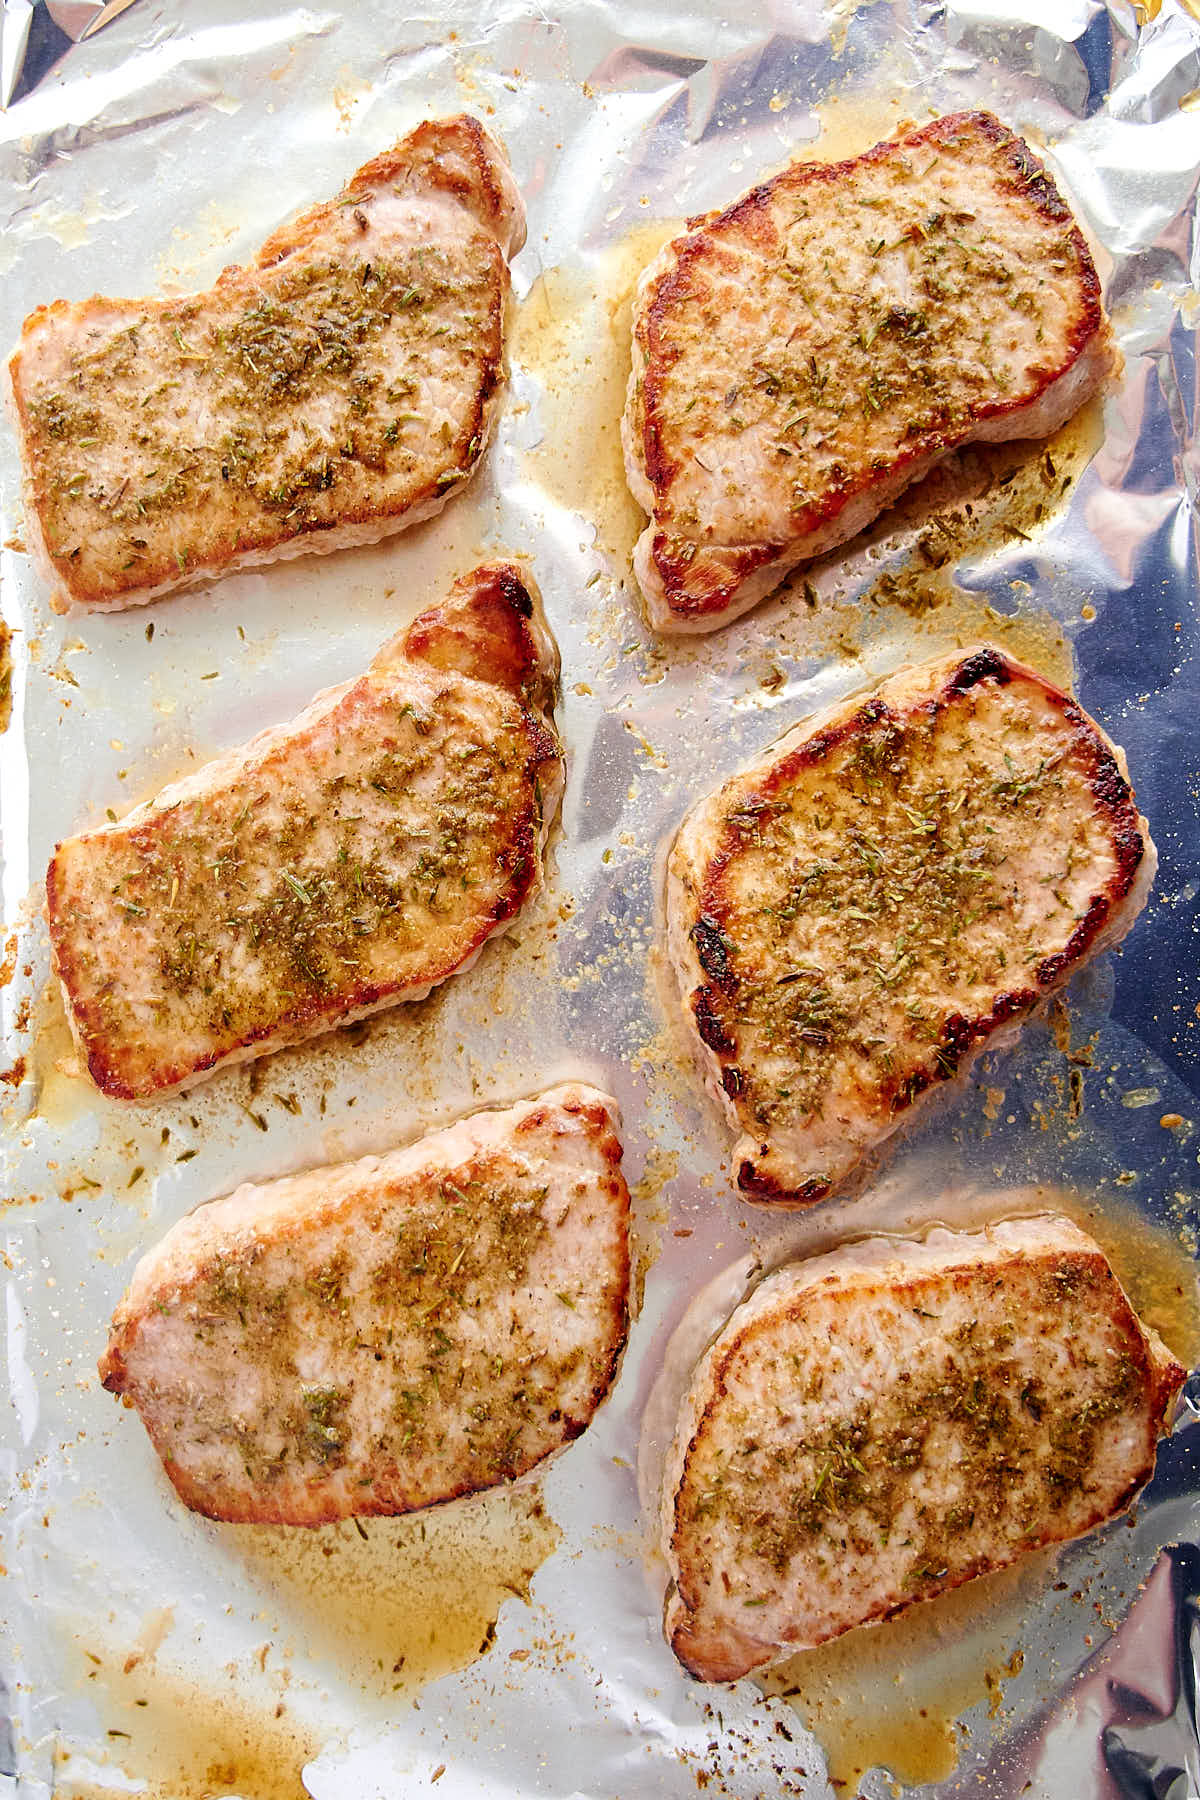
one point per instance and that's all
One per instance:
(1151, 1264)
(389, 1610)
(852, 123)
(975, 502)
(130, 1150)
(183, 1741)
(890, 1695)
(573, 332)
(402, 1601)
(63, 1091)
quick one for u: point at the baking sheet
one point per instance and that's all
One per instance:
(510, 1646)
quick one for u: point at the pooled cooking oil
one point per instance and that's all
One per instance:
(63, 1091)
(394, 1603)
(573, 333)
(890, 1696)
(386, 1604)
(181, 1740)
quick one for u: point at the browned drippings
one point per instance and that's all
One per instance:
(386, 1606)
(573, 333)
(972, 503)
(983, 496)
(394, 1603)
(184, 1741)
(1152, 1265)
(5, 676)
(890, 1696)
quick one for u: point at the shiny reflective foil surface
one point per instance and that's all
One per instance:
(509, 1646)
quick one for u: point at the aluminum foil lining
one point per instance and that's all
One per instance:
(144, 1650)
(35, 33)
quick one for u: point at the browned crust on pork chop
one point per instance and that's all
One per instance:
(893, 1419)
(718, 541)
(498, 639)
(388, 1334)
(853, 917)
(338, 388)
(352, 858)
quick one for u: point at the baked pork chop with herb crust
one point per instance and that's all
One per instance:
(803, 356)
(340, 387)
(390, 1333)
(351, 858)
(852, 917)
(891, 1419)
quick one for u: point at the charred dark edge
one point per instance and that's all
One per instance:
(500, 580)
(982, 663)
(519, 861)
(507, 580)
(1114, 803)
(1027, 177)
(712, 953)
(1157, 1391)
(709, 1023)
(507, 584)
(755, 1184)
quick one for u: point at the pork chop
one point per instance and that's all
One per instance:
(340, 387)
(888, 1420)
(801, 357)
(390, 1333)
(853, 917)
(353, 857)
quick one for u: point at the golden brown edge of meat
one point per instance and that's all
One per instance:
(492, 614)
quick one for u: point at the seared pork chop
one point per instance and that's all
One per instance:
(389, 1333)
(351, 858)
(340, 387)
(888, 1420)
(854, 915)
(801, 357)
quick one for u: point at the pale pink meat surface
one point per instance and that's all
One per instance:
(346, 860)
(339, 388)
(389, 1333)
(891, 1419)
